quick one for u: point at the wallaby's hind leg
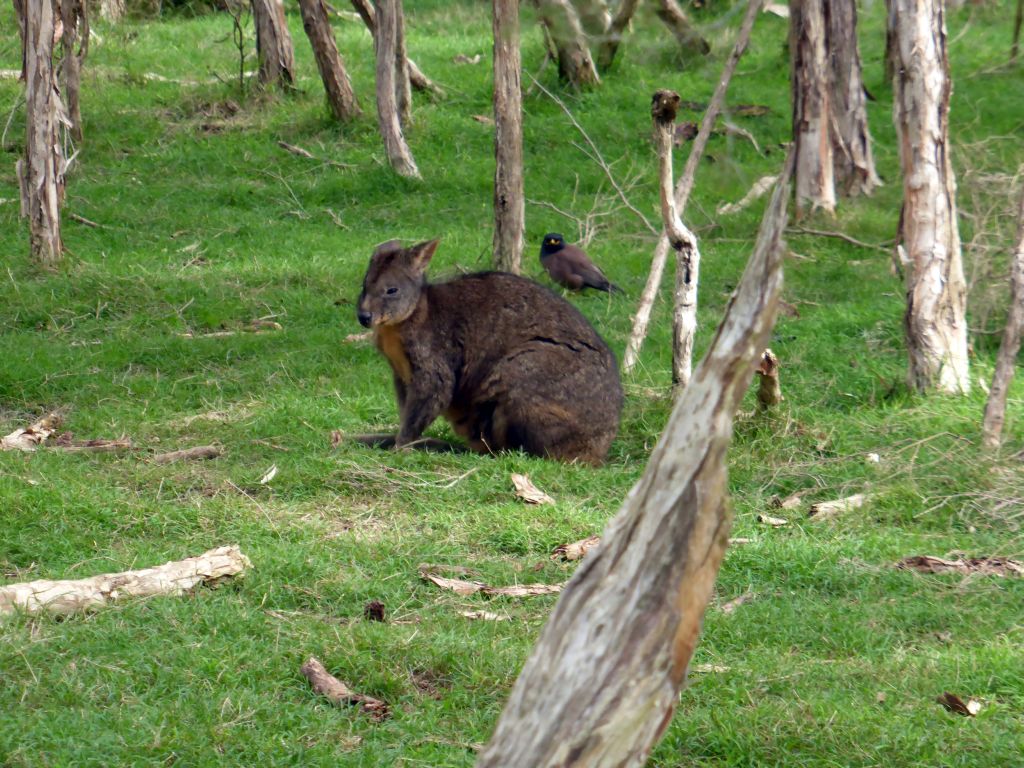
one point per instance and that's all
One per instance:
(388, 440)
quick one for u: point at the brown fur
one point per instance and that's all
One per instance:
(507, 362)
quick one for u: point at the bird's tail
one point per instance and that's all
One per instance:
(613, 288)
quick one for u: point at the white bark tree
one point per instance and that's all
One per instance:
(75, 34)
(935, 320)
(1006, 362)
(852, 159)
(600, 686)
(41, 172)
(388, 109)
(814, 183)
(509, 203)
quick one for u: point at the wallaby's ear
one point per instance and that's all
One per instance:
(421, 253)
(389, 246)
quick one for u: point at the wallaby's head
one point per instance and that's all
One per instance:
(391, 288)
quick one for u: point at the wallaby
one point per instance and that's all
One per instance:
(505, 360)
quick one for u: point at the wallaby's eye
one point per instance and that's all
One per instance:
(391, 291)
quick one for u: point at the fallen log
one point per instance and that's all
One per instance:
(338, 693)
(172, 578)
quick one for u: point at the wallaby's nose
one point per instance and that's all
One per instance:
(364, 318)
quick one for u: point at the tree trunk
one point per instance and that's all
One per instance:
(935, 322)
(890, 43)
(853, 163)
(509, 205)
(684, 315)
(41, 172)
(690, 41)
(403, 89)
(995, 408)
(1015, 45)
(332, 69)
(815, 186)
(575, 65)
(75, 25)
(385, 41)
(112, 10)
(418, 80)
(594, 17)
(684, 187)
(273, 43)
(601, 684)
(613, 37)
(19, 15)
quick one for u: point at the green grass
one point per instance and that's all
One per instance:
(206, 224)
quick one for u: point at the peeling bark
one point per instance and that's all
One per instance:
(684, 187)
(403, 88)
(575, 65)
(852, 160)
(273, 43)
(173, 578)
(935, 320)
(509, 202)
(385, 42)
(601, 684)
(815, 185)
(41, 172)
(75, 24)
(340, 95)
(1006, 361)
(682, 240)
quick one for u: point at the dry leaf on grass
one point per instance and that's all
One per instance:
(198, 452)
(269, 475)
(528, 492)
(354, 337)
(739, 541)
(775, 522)
(484, 616)
(704, 669)
(736, 602)
(826, 509)
(337, 692)
(461, 58)
(954, 703)
(31, 437)
(792, 501)
(577, 550)
(462, 587)
(484, 119)
(985, 566)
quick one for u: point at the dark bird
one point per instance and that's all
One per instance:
(570, 266)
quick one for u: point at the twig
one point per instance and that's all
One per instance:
(885, 248)
(597, 157)
(83, 220)
(338, 693)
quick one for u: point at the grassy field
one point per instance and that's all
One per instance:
(206, 223)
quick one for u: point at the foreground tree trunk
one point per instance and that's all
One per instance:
(601, 684)
(575, 65)
(41, 172)
(1006, 362)
(340, 95)
(273, 43)
(815, 186)
(385, 44)
(684, 315)
(509, 204)
(75, 25)
(935, 322)
(853, 162)
(683, 188)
